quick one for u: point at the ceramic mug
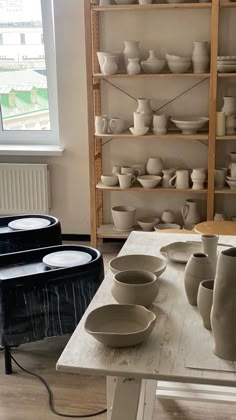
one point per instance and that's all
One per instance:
(130, 170)
(180, 180)
(101, 124)
(160, 124)
(126, 180)
(116, 125)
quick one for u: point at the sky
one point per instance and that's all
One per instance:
(19, 10)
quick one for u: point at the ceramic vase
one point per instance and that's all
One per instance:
(167, 175)
(110, 65)
(223, 312)
(154, 166)
(190, 213)
(144, 108)
(200, 57)
(168, 216)
(123, 217)
(198, 268)
(209, 245)
(204, 301)
(152, 56)
(229, 107)
(198, 177)
(220, 123)
(131, 50)
(219, 178)
(133, 66)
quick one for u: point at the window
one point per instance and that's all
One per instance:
(28, 89)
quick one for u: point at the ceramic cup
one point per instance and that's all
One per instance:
(123, 217)
(139, 120)
(130, 170)
(180, 180)
(160, 123)
(219, 176)
(204, 301)
(126, 180)
(116, 125)
(101, 124)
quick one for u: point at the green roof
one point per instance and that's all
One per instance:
(24, 80)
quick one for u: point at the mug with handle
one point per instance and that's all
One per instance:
(101, 124)
(116, 125)
(180, 180)
(126, 180)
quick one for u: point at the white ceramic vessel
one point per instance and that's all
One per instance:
(153, 67)
(204, 301)
(198, 177)
(126, 180)
(167, 175)
(154, 166)
(133, 66)
(109, 180)
(149, 181)
(180, 180)
(190, 125)
(160, 123)
(147, 223)
(209, 244)
(219, 217)
(110, 65)
(139, 131)
(220, 124)
(219, 178)
(168, 216)
(116, 125)
(123, 217)
(144, 108)
(190, 212)
(200, 57)
(164, 226)
(101, 124)
(229, 107)
(131, 49)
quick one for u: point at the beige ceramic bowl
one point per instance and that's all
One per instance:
(136, 287)
(120, 325)
(138, 262)
(149, 181)
(110, 180)
(147, 223)
(153, 66)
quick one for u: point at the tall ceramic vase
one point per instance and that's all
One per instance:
(144, 108)
(223, 313)
(200, 57)
(131, 50)
(198, 268)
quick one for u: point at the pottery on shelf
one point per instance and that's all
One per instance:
(219, 217)
(133, 66)
(139, 131)
(116, 125)
(198, 177)
(180, 180)
(101, 124)
(178, 64)
(229, 107)
(123, 217)
(220, 124)
(153, 64)
(163, 226)
(126, 180)
(119, 58)
(190, 212)
(209, 245)
(149, 181)
(109, 180)
(154, 166)
(145, 1)
(147, 223)
(167, 175)
(131, 50)
(198, 268)
(160, 123)
(204, 301)
(230, 125)
(200, 57)
(219, 178)
(168, 216)
(223, 312)
(136, 287)
(110, 65)
(144, 108)
(190, 125)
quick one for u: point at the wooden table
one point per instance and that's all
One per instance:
(179, 350)
(214, 227)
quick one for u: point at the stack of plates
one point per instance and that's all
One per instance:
(226, 64)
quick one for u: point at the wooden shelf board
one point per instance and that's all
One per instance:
(139, 188)
(150, 76)
(107, 231)
(138, 7)
(224, 138)
(169, 136)
(228, 5)
(225, 191)
(227, 74)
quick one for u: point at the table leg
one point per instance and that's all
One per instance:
(149, 397)
(126, 399)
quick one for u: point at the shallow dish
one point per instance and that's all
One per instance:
(190, 125)
(153, 66)
(139, 131)
(149, 181)
(120, 325)
(180, 252)
(226, 68)
(163, 226)
(64, 259)
(138, 262)
(29, 223)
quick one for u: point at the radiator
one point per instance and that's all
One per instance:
(24, 188)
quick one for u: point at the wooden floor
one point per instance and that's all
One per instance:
(23, 397)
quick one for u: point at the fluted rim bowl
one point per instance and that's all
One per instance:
(163, 226)
(149, 181)
(155, 66)
(138, 262)
(120, 325)
(139, 131)
(110, 180)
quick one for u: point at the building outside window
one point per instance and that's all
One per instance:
(28, 90)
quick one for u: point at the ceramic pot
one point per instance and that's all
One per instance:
(123, 217)
(190, 212)
(144, 108)
(131, 50)
(209, 245)
(101, 124)
(198, 177)
(230, 125)
(110, 65)
(220, 124)
(139, 120)
(136, 287)
(229, 107)
(198, 268)
(167, 175)
(133, 66)
(180, 180)
(154, 166)
(160, 123)
(168, 216)
(204, 301)
(116, 125)
(223, 312)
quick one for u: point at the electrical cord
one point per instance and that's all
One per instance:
(50, 396)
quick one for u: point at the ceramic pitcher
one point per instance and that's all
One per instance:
(110, 65)
(154, 166)
(144, 108)
(131, 50)
(223, 313)
(190, 212)
(167, 175)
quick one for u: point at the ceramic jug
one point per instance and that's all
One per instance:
(229, 107)
(223, 312)
(110, 65)
(190, 212)
(154, 166)
(198, 268)
(131, 50)
(144, 108)
(133, 66)
(180, 180)
(167, 175)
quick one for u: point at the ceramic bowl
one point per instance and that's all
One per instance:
(178, 66)
(120, 325)
(110, 180)
(139, 131)
(226, 68)
(138, 262)
(149, 181)
(147, 223)
(163, 226)
(153, 66)
(230, 178)
(232, 184)
(136, 287)
(178, 58)
(190, 125)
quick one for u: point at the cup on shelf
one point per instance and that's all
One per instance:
(130, 170)
(116, 125)
(101, 124)
(219, 177)
(160, 123)
(126, 180)
(220, 124)
(180, 180)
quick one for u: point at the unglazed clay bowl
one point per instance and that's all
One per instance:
(190, 125)
(136, 287)
(149, 181)
(120, 325)
(138, 262)
(178, 66)
(163, 226)
(139, 131)
(153, 66)
(110, 180)
(147, 223)
(177, 58)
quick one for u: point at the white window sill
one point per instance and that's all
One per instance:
(30, 150)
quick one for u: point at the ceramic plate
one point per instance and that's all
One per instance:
(28, 223)
(64, 259)
(180, 252)
(120, 325)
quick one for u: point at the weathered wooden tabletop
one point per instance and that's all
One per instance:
(179, 348)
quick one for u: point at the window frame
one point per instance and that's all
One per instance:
(41, 137)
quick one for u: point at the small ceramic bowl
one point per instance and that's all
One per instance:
(139, 131)
(149, 181)
(138, 262)
(178, 66)
(232, 184)
(163, 226)
(110, 180)
(177, 58)
(153, 66)
(147, 223)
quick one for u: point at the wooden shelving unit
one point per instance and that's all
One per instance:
(94, 82)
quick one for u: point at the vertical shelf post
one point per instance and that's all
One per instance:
(212, 107)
